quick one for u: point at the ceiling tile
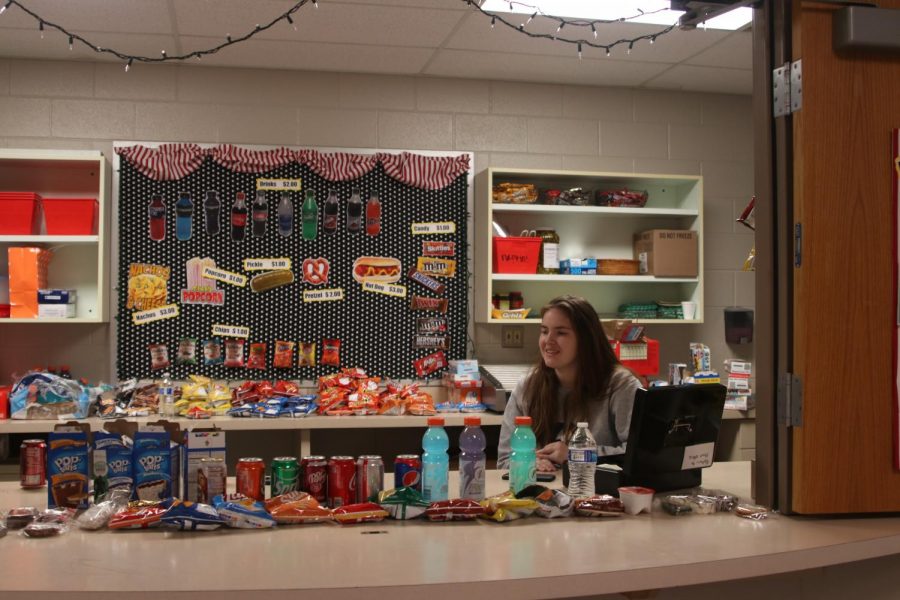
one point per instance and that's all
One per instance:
(83, 16)
(704, 79)
(734, 52)
(316, 57)
(550, 69)
(331, 22)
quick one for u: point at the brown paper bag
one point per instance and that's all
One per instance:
(27, 274)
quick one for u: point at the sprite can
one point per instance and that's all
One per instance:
(285, 475)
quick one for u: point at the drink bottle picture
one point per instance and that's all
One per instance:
(309, 216)
(373, 215)
(330, 223)
(354, 212)
(523, 456)
(239, 217)
(184, 216)
(212, 207)
(157, 213)
(260, 214)
(285, 214)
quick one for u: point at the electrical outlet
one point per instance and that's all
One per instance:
(511, 336)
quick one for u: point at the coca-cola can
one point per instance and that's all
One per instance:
(32, 464)
(341, 481)
(369, 478)
(408, 471)
(250, 477)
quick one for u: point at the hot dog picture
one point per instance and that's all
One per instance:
(382, 269)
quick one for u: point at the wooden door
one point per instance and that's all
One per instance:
(844, 310)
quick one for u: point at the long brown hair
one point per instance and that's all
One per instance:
(596, 363)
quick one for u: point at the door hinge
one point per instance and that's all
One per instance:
(790, 401)
(787, 88)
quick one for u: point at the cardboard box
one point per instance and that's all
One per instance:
(667, 252)
(198, 444)
(58, 311)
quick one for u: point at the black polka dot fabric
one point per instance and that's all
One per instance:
(376, 331)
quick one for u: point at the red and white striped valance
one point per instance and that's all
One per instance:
(337, 166)
(166, 163)
(244, 160)
(174, 161)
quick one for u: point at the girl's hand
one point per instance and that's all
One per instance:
(545, 466)
(555, 452)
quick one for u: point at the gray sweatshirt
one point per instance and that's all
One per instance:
(609, 416)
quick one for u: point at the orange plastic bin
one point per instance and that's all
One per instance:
(20, 213)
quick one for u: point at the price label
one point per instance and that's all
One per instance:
(328, 295)
(231, 331)
(433, 228)
(267, 264)
(142, 317)
(698, 456)
(389, 289)
(290, 185)
(225, 276)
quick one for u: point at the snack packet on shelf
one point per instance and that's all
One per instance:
(297, 508)
(457, 509)
(138, 515)
(191, 516)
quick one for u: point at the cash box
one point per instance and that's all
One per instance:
(56, 296)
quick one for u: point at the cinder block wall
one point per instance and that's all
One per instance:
(85, 105)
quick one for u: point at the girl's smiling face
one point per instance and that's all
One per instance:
(558, 342)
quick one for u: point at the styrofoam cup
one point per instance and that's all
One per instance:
(636, 499)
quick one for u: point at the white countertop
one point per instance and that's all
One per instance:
(531, 558)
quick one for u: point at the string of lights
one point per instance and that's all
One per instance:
(129, 59)
(579, 42)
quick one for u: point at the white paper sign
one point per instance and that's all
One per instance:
(159, 313)
(329, 295)
(278, 184)
(433, 228)
(231, 331)
(698, 456)
(225, 276)
(389, 289)
(267, 264)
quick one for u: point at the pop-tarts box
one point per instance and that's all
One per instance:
(198, 444)
(112, 464)
(68, 466)
(152, 467)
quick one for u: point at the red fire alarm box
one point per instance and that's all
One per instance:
(642, 357)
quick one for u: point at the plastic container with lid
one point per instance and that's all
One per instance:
(548, 262)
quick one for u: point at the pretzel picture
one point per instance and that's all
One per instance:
(315, 270)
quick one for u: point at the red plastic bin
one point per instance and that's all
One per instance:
(20, 213)
(70, 216)
(516, 254)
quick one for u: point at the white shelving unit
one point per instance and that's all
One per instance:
(79, 261)
(675, 202)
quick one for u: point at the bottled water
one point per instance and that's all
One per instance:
(522, 458)
(166, 396)
(435, 461)
(582, 462)
(471, 460)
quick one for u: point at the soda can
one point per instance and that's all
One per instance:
(369, 477)
(285, 475)
(408, 471)
(677, 372)
(32, 464)
(210, 479)
(341, 481)
(314, 477)
(251, 476)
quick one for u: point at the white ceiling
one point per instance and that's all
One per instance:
(440, 38)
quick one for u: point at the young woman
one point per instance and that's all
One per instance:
(578, 378)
